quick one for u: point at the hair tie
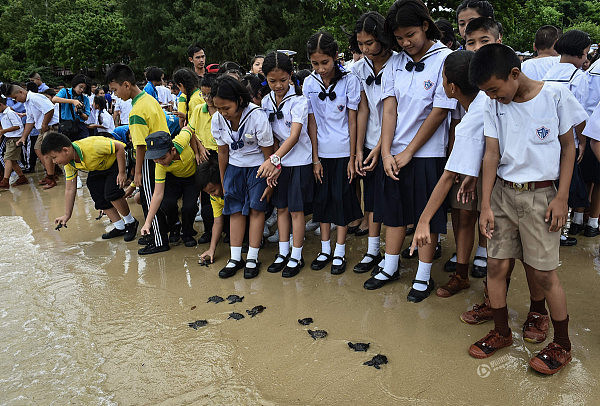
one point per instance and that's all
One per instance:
(264, 83)
(297, 82)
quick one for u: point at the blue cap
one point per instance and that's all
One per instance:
(158, 144)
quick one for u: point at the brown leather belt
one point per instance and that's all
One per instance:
(520, 187)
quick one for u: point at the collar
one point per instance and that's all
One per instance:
(205, 108)
(79, 153)
(28, 98)
(139, 96)
(6, 110)
(290, 93)
(435, 49)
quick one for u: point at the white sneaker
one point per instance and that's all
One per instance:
(272, 219)
(274, 237)
(79, 184)
(318, 230)
(311, 225)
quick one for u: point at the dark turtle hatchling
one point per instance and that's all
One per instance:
(236, 316)
(215, 299)
(255, 310)
(376, 361)
(234, 299)
(197, 324)
(359, 346)
(306, 321)
(317, 334)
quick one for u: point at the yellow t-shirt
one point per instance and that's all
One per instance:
(199, 122)
(217, 204)
(195, 100)
(146, 117)
(95, 154)
(185, 166)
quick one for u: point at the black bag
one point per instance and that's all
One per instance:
(70, 128)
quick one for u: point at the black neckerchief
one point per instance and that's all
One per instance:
(324, 94)
(238, 144)
(278, 114)
(419, 66)
(372, 77)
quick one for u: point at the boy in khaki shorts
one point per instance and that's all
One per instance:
(12, 129)
(529, 145)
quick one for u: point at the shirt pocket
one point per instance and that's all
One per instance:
(541, 131)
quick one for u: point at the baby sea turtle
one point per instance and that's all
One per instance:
(359, 346)
(197, 324)
(376, 361)
(236, 316)
(215, 299)
(317, 334)
(234, 299)
(255, 310)
(306, 321)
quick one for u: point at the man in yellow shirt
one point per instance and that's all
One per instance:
(104, 159)
(174, 179)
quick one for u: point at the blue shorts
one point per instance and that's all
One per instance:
(243, 190)
(295, 188)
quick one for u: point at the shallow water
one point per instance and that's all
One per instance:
(87, 321)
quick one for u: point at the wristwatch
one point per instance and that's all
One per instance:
(276, 161)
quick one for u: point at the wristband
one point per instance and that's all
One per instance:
(316, 162)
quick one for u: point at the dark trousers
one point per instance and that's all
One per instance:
(187, 189)
(206, 212)
(159, 223)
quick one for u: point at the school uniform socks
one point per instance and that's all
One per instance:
(128, 219)
(252, 254)
(593, 222)
(578, 218)
(296, 253)
(390, 267)
(340, 251)
(501, 321)
(462, 270)
(284, 250)
(423, 274)
(481, 252)
(538, 306)
(236, 255)
(119, 225)
(372, 249)
(325, 249)
(561, 333)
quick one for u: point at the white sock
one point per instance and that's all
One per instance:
(481, 252)
(423, 274)
(340, 251)
(252, 254)
(284, 250)
(325, 249)
(236, 254)
(390, 267)
(453, 259)
(578, 218)
(128, 218)
(593, 222)
(296, 253)
(563, 237)
(439, 238)
(381, 263)
(372, 248)
(119, 225)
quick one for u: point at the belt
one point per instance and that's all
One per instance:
(520, 187)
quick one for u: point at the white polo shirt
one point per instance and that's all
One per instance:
(164, 94)
(469, 142)
(528, 132)
(593, 99)
(592, 127)
(8, 118)
(536, 68)
(124, 108)
(254, 132)
(295, 110)
(36, 106)
(363, 69)
(417, 93)
(333, 132)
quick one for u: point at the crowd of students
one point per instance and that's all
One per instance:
(423, 126)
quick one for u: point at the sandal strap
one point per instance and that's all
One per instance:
(234, 261)
(373, 257)
(426, 283)
(252, 261)
(480, 258)
(296, 261)
(281, 256)
(340, 258)
(328, 256)
(384, 273)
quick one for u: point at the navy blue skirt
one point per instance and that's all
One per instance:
(590, 167)
(399, 203)
(335, 199)
(243, 190)
(578, 194)
(369, 181)
(295, 188)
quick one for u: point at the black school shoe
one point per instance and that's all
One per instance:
(352, 229)
(131, 230)
(406, 252)
(372, 283)
(146, 239)
(205, 238)
(479, 271)
(590, 231)
(363, 267)
(189, 241)
(417, 296)
(361, 233)
(317, 265)
(153, 249)
(229, 272)
(250, 273)
(113, 233)
(291, 271)
(276, 267)
(339, 269)
(568, 242)
(450, 266)
(575, 228)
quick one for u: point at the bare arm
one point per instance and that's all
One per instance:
(361, 130)
(70, 191)
(388, 127)
(557, 211)
(157, 197)
(140, 153)
(352, 130)
(223, 161)
(491, 158)
(122, 176)
(312, 134)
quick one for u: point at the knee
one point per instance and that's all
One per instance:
(296, 215)
(545, 279)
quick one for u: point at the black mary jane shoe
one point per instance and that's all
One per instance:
(372, 283)
(363, 267)
(317, 265)
(291, 271)
(406, 253)
(339, 269)
(450, 266)
(361, 233)
(417, 296)
(438, 251)
(575, 228)
(250, 273)
(229, 272)
(277, 267)
(479, 271)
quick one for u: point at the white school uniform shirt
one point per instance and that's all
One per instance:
(593, 74)
(124, 108)
(254, 132)
(295, 110)
(536, 68)
(469, 142)
(363, 69)
(528, 132)
(574, 79)
(417, 93)
(592, 127)
(8, 118)
(36, 106)
(164, 94)
(107, 121)
(333, 131)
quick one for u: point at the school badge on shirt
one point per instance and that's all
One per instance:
(542, 132)
(250, 140)
(428, 84)
(340, 107)
(288, 124)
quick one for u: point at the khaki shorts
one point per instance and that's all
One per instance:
(519, 228)
(472, 205)
(12, 152)
(40, 138)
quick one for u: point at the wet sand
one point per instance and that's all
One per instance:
(87, 321)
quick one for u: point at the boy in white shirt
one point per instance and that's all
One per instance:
(529, 145)
(545, 38)
(122, 110)
(12, 128)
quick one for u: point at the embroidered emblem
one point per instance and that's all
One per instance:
(341, 107)
(288, 124)
(542, 132)
(250, 140)
(428, 84)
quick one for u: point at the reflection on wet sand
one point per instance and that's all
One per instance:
(90, 322)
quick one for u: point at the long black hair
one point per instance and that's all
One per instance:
(323, 42)
(410, 13)
(279, 60)
(228, 88)
(372, 23)
(256, 84)
(189, 81)
(100, 101)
